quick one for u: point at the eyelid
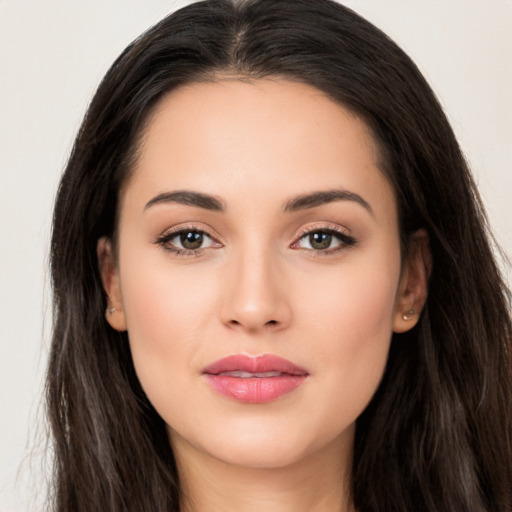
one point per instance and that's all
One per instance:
(167, 235)
(322, 226)
(347, 240)
(190, 226)
(342, 233)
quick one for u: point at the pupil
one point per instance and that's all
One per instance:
(320, 240)
(191, 240)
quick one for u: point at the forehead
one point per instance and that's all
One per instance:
(238, 138)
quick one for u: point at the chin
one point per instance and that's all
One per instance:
(259, 454)
(260, 445)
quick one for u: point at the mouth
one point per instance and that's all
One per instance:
(254, 380)
(247, 375)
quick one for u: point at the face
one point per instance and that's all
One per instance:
(259, 273)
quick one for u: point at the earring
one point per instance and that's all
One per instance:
(111, 310)
(408, 315)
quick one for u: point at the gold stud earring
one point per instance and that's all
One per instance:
(408, 315)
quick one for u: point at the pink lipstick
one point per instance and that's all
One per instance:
(254, 380)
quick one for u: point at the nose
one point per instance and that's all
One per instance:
(256, 297)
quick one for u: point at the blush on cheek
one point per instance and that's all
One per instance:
(360, 312)
(165, 311)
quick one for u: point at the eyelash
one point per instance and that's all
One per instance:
(163, 241)
(346, 241)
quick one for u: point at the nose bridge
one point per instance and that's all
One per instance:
(256, 298)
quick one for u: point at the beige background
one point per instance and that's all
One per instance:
(53, 54)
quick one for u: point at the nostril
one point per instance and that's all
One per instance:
(272, 322)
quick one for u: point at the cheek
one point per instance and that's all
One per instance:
(158, 300)
(166, 310)
(351, 321)
(354, 300)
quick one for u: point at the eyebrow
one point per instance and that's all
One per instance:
(324, 197)
(302, 202)
(188, 198)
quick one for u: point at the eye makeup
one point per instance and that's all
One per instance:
(187, 241)
(192, 240)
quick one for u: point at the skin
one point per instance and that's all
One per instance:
(258, 286)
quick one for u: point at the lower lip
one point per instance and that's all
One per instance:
(254, 390)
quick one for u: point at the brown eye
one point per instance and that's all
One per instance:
(191, 239)
(324, 240)
(320, 240)
(187, 241)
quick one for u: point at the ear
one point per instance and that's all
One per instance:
(413, 287)
(110, 278)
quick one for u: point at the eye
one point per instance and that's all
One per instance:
(324, 240)
(186, 242)
(190, 239)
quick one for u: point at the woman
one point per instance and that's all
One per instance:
(273, 281)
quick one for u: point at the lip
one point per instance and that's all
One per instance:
(226, 376)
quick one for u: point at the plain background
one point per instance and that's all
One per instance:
(53, 54)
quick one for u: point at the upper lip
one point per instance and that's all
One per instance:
(254, 364)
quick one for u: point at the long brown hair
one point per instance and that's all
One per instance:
(437, 435)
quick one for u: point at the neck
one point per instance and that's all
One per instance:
(317, 483)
